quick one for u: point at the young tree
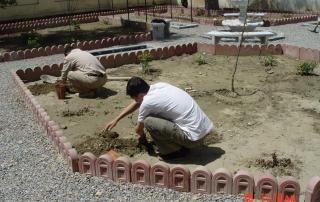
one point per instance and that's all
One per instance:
(239, 48)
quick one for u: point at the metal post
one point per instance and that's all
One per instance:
(191, 10)
(171, 7)
(112, 9)
(128, 9)
(146, 10)
(153, 6)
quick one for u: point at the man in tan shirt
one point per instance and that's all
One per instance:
(83, 71)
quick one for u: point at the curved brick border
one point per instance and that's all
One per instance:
(84, 45)
(56, 21)
(178, 177)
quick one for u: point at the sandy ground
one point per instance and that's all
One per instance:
(271, 126)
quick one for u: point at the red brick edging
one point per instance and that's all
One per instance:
(56, 21)
(178, 177)
(84, 45)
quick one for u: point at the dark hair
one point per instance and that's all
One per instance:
(68, 49)
(136, 85)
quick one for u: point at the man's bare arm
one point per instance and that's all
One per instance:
(139, 129)
(128, 110)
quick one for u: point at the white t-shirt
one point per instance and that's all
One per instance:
(173, 104)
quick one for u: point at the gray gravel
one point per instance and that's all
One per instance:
(31, 169)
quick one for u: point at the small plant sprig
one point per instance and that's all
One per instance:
(269, 61)
(201, 59)
(306, 68)
(75, 24)
(145, 59)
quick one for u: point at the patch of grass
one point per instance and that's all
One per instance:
(145, 59)
(269, 61)
(201, 59)
(306, 68)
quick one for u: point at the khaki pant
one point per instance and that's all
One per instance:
(84, 83)
(168, 136)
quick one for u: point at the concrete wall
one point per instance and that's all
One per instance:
(36, 8)
(291, 5)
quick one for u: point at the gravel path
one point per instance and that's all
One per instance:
(31, 169)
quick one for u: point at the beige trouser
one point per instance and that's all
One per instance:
(168, 136)
(84, 83)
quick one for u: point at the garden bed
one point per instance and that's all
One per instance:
(275, 110)
(268, 126)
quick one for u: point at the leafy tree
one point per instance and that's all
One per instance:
(4, 3)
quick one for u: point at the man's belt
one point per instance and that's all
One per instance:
(96, 74)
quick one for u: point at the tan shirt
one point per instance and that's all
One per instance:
(78, 60)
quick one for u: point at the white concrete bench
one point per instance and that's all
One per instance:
(248, 14)
(262, 35)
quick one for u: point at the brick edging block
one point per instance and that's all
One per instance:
(289, 187)
(104, 166)
(243, 183)
(121, 169)
(87, 163)
(159, 175)
(140, 172)
(313, 190)
(266, 186)
(180, 178)
(222, 181)
(201, 180)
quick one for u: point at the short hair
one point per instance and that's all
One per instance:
(68, 49)
(136, 85)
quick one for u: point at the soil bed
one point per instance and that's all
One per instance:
(274, 112)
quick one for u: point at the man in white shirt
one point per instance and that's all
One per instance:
(174, 120)
(84, 71)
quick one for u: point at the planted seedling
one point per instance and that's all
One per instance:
(201, 59)
(269, 61)
(306, 68)
(145, 59)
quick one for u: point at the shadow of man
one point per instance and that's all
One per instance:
(201, 155)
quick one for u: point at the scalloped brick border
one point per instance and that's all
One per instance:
(178, 177)
(56, 21)
(85, 45)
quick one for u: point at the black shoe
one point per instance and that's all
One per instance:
(177, 154)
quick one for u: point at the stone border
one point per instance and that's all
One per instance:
(85, 45)
(177, 177)
(301, 16)
(56, 21)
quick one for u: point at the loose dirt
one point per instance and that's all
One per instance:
(41, 89)
(274, 110)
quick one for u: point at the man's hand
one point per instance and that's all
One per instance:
(110, 125)
(139, 129)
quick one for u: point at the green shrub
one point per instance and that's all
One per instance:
(306, 68)
(201, 59)
(144, 60)
(31, 39)
(75, 24)
(269, 61)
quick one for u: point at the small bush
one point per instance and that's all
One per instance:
(144, 60)
(31, 39)
(269, 61)
(306, 68)
(201, 59)
(75, 24)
